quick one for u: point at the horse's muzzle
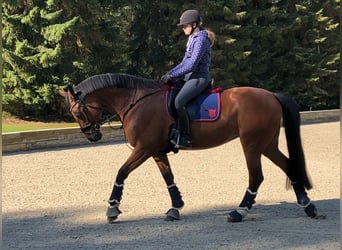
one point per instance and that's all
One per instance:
(96, 136)
(92, 132)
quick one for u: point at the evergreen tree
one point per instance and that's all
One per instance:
(280, 45)
(34, 46)
(150, 37)
(98, 42)
(323, 81)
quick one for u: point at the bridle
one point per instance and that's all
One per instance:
(87, 129)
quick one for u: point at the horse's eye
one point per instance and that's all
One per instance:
(80, 115)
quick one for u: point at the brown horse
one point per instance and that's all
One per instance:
(252, 114)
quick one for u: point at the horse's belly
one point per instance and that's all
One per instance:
(207, 135)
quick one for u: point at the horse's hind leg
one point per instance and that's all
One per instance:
(278, 158)
(176, 198)
(255, 180)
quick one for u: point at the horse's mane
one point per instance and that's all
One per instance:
(112, 80)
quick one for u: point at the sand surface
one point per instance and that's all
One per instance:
(56, 199)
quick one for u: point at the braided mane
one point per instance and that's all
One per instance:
(112, 80)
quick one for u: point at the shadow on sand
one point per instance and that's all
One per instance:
(275, 226)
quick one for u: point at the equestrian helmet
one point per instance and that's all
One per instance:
(190, 16)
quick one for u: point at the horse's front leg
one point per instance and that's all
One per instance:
(136, 158)
(176, 198)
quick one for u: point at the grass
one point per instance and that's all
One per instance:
(17, 125)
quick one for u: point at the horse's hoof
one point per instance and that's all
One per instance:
(311, 210)
(112, 214)
(234, 216)
(172, 215)
(111, 220)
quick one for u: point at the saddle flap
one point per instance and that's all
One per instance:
(204, 108)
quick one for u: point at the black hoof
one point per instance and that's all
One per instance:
(311, 210)
(172, 215)
(234, 216)
(112, 214)
(111, 220)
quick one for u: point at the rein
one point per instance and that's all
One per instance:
(134, 102)
(84, 108)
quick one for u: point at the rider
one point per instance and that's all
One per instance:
(194, 70)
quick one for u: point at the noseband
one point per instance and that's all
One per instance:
(87, 129)
(90, 124)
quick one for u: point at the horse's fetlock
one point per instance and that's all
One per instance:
(114, 203)
(176, 197)
(248, 200)
(116, 195)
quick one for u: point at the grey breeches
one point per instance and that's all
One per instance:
(191, 89)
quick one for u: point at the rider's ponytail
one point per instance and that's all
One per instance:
(211, 36)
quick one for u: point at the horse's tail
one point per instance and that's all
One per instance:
(291, 121)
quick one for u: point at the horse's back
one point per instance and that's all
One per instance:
(250, 101)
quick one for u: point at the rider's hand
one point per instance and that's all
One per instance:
(166, 78)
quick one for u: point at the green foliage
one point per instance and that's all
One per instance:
(286, 46)
(33, 50)
(283, 48)
(55, 33)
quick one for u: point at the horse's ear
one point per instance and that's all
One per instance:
(63, 92)
(72, 92)
(66, 90)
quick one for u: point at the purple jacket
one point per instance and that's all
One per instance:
(197, 57)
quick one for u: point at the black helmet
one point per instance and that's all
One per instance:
(190, 16)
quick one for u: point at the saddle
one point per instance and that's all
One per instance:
(206, 107)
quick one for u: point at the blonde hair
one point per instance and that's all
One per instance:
(211, 36)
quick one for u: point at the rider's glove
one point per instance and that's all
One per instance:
(166, 78)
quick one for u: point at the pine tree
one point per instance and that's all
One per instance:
(323, 80)
(34, 42)
(280, 45)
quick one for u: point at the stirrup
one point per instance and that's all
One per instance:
(174, 135)
(181, 142)
(175, 138)
(185, 144)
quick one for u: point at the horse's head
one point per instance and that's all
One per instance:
(88, 115)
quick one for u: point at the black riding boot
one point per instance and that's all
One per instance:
(183, 140)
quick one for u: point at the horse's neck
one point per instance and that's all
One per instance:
(114, 99)
(119, 100)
